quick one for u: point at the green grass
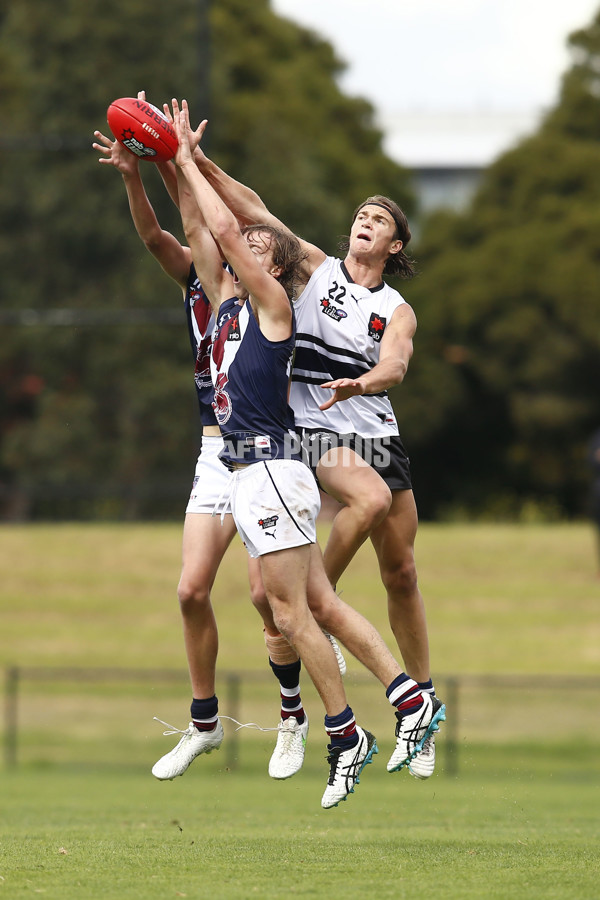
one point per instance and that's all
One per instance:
(499, 598)
(81, 817)
(503, 829)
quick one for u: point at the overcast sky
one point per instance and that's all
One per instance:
(458, 79)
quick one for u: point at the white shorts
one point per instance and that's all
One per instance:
(211, 480)
(275, 504)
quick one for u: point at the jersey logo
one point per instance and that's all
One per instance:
(233, 330)
(222, 402)
(376, 327)
(334, 312)
(335, 294)
(271, 522)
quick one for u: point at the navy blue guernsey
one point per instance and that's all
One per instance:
(201, 322)
(251, 376)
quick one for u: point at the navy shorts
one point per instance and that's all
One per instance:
(384, 454)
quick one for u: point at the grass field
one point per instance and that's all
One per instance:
(499, 597)
(82, 817)
(513, 829)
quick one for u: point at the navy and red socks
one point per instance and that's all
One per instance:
(289, 688)
(341, 730)
(205, 713)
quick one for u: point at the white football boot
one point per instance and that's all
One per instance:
(191, 745)
(288, 754)
(345, 766)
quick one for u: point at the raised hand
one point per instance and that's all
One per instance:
(181, 123)
(115, 154)
(194, 136)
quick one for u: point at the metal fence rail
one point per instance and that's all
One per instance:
(454, 689)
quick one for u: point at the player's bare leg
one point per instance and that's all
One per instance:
(393, 541)
(205, 540)
(288, 754)
(417, 712)
(354, 631)
(285, 576)
(366, 498)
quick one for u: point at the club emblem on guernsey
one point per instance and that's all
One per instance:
(376, 327)
(334, 312)
(222, 402)
(271, 522)
(233, 330)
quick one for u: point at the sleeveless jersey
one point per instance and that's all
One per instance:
(201, 323)
(339, 329)
(251, 378)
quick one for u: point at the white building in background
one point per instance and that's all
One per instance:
(448, 151)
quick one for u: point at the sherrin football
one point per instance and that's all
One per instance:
(142, 129)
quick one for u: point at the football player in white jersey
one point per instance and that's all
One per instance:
(205, 538)
(363, 361)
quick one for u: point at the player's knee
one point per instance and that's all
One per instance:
(371, 508)
(192, 596)
(401, 580)
(324, 605)
(259, 599)
(284, 624)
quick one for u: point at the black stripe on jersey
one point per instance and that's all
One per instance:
(284, 503)
(307, 379)
(341, 351)
(313, 361)
(323, 368)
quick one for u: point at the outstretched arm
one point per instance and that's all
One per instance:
(394, 357)
(275, 311)
(217, 282)
(248, 207)
(172, 256)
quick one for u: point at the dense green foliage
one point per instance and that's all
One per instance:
(100, 419)
(509, 310)
(107, 412)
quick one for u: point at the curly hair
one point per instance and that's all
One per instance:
(399, 263)
(287, 253)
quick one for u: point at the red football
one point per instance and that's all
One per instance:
(142, 129)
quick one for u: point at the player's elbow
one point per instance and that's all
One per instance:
(225, 231)
(192, 230)
(394, 374)
(152, 241)
(401, 370)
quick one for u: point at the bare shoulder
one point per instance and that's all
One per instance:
(404, 318)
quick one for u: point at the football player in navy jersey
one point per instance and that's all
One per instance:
(205, 539)
(274, 497)
(355, 341)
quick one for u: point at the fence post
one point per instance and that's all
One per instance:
(232, 746)
(11, 700)
(451, 730)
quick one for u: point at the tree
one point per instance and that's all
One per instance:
(509, 305)
(103, 416)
